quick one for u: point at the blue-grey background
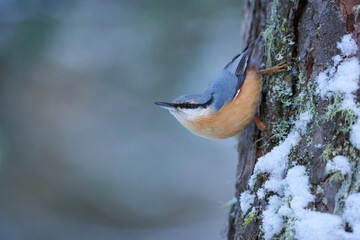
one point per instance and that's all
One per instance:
(85, 154)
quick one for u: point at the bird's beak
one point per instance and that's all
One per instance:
(168, 106)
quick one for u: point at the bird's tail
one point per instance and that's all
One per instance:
(239, 64)
(257, 51)
(251, 55)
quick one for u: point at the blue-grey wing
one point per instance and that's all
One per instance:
(239, 64)
(222, 88)
(226, 85)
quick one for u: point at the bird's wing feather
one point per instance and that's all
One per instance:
(239, 64)
(230, 80)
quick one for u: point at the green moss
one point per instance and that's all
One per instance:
(278, 45)
(249, 218)
(308, 140)
(268, 36)
(283, 93)
(349, 119)
(301, 78)
(278, 40)
(350, 185)
(327, 152)
(270, 33)
(277, 37)
(319, 190)
(279, 131)
(348, 116)
(308, 50)
(336, 176)
(306, 99)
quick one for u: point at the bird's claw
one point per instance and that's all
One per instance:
(281, 67)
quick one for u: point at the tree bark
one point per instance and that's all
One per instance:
(304, 33)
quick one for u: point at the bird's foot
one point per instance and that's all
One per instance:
(281, 67)
(260, 125)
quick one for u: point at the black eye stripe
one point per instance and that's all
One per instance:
(193, 105)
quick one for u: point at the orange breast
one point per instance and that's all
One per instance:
(233, 116)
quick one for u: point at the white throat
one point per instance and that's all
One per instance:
(190, 114)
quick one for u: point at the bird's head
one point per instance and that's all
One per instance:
(189, 107)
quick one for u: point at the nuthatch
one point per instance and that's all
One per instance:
(229, 102)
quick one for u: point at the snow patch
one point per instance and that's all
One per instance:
(343, 76)
(275, 162)
(355, 133)
(318, 226)
(291, 191)
(246, 201)
(297, 186)
(272, 222)
(345, 79)
(308, 224)
(347, 45)
(352, 213)
(261, 193)
(336, 59)
(338, 163)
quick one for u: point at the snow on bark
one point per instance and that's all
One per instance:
(343, 76)
(338, 163)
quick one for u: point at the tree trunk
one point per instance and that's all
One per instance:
(307, 164)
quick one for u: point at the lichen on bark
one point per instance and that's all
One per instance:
(304, 33)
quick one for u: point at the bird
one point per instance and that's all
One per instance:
(229, 102)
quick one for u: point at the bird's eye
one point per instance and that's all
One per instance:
(188, 105)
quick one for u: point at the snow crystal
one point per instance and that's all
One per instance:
(272, 222)
(336, 59)
(352, 213)
(304, 119)
(297, 186)
(344, 80)
(274, 185)
(260, 193)
(285, 211)
(341, 76)
(322, 82)
(355, 134)
(338, 163)
(274, 162)
(246, 200)
(347, 45)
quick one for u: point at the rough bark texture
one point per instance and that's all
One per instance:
(304, 33)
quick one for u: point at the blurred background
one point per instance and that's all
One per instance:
(85, 154)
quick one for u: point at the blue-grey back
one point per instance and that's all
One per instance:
(225, 86)
(222, 89)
